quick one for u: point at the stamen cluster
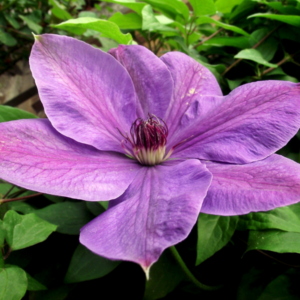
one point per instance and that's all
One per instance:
(148, 139)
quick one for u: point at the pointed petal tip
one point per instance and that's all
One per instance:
(37, 37)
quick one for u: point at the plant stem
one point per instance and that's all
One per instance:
(189, 274)
(255, 46)
(8, 192)
(208, 38)
(278, 64)
(20, 198)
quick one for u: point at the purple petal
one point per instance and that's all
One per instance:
(158, 210)
(251, 123)
(191, 81)
(258, 186)
(35, 156)
(86, 93)
(151, 78)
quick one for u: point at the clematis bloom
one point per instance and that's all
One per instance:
(154, 135)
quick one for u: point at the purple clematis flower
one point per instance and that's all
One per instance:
(155, 136)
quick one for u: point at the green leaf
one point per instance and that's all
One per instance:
(274, 240)
(278, 289)
(59, 10)
(238, 42)
(86, 265)
(104, 204)
(286, 218)
(2, 234)
(25, 231)
(32, 25)
(165, 275)
(68, 216)
(292, 20)
(135, 6)
(106, 28)
(7, 39)
(95, 208)
(284, 9)
(214, 232)
(8, 113)
(12, 21)
(225, 6)
(254, 55)
(34, 285)
(5, 187)
(170, 8)
(55, 199)
(13, 283)
(128, 21)
(1, 259)
(204, 19)
(22, 207)
(203, 7)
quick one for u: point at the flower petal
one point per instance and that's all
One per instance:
(258, 186)
(251, 123)
(191, 80)
(35, 156)
(158, 210)
(151, 78)
(86, 93)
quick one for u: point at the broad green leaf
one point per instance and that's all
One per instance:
(8, 113)
(237, 82)
(59, 10)
(5, 187)
(278, 289)
(68, 216)
(84, 14)
(32, 25)
(95, 208)
(2, 234)
(214, 232)
(284, 9)
(292, 20)
(104, 204)
(128, 21)
(7, 39)
(22, 207)
(274, 240)
(164, 276)
(204, 19)
(285, 78)
(55, 199)
(1, 258)
(286, 218)
(12, 21)
(289, 32)
(34, 285)
(25, 231)
(131, 4)
(106, 28)
(238, 42)
(86, 265)
(254, 55)
(170, 8)
(151, 23)
(13, 283)
(203, 7)
(225, 6)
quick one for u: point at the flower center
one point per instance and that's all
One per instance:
(148, 140)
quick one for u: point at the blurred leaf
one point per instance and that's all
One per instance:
(237, 82)
(1, 257)
(104, 204)
(86, 265)
(289, 32)
(238, 42)
(278, 289)
(2, 234)
(214, 232)
(68, 216)
(107, 29)
(7, 39)
(55, 199)
(13, 283)
(59, 10)
(285, 218)
(225, 6)
(170, 8)
(128, 21)
(8, 113)
(32, 25)
(204, 19)
(131, 4)
(25, 231)
(84, 14)
(242, 10)
(292, 20)
(203, 7)
(95, 208)
(165, 275)
(5, 187)
(254, 55)
(22, 207)
(274, 240)
(34, 285)
(12, 21)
